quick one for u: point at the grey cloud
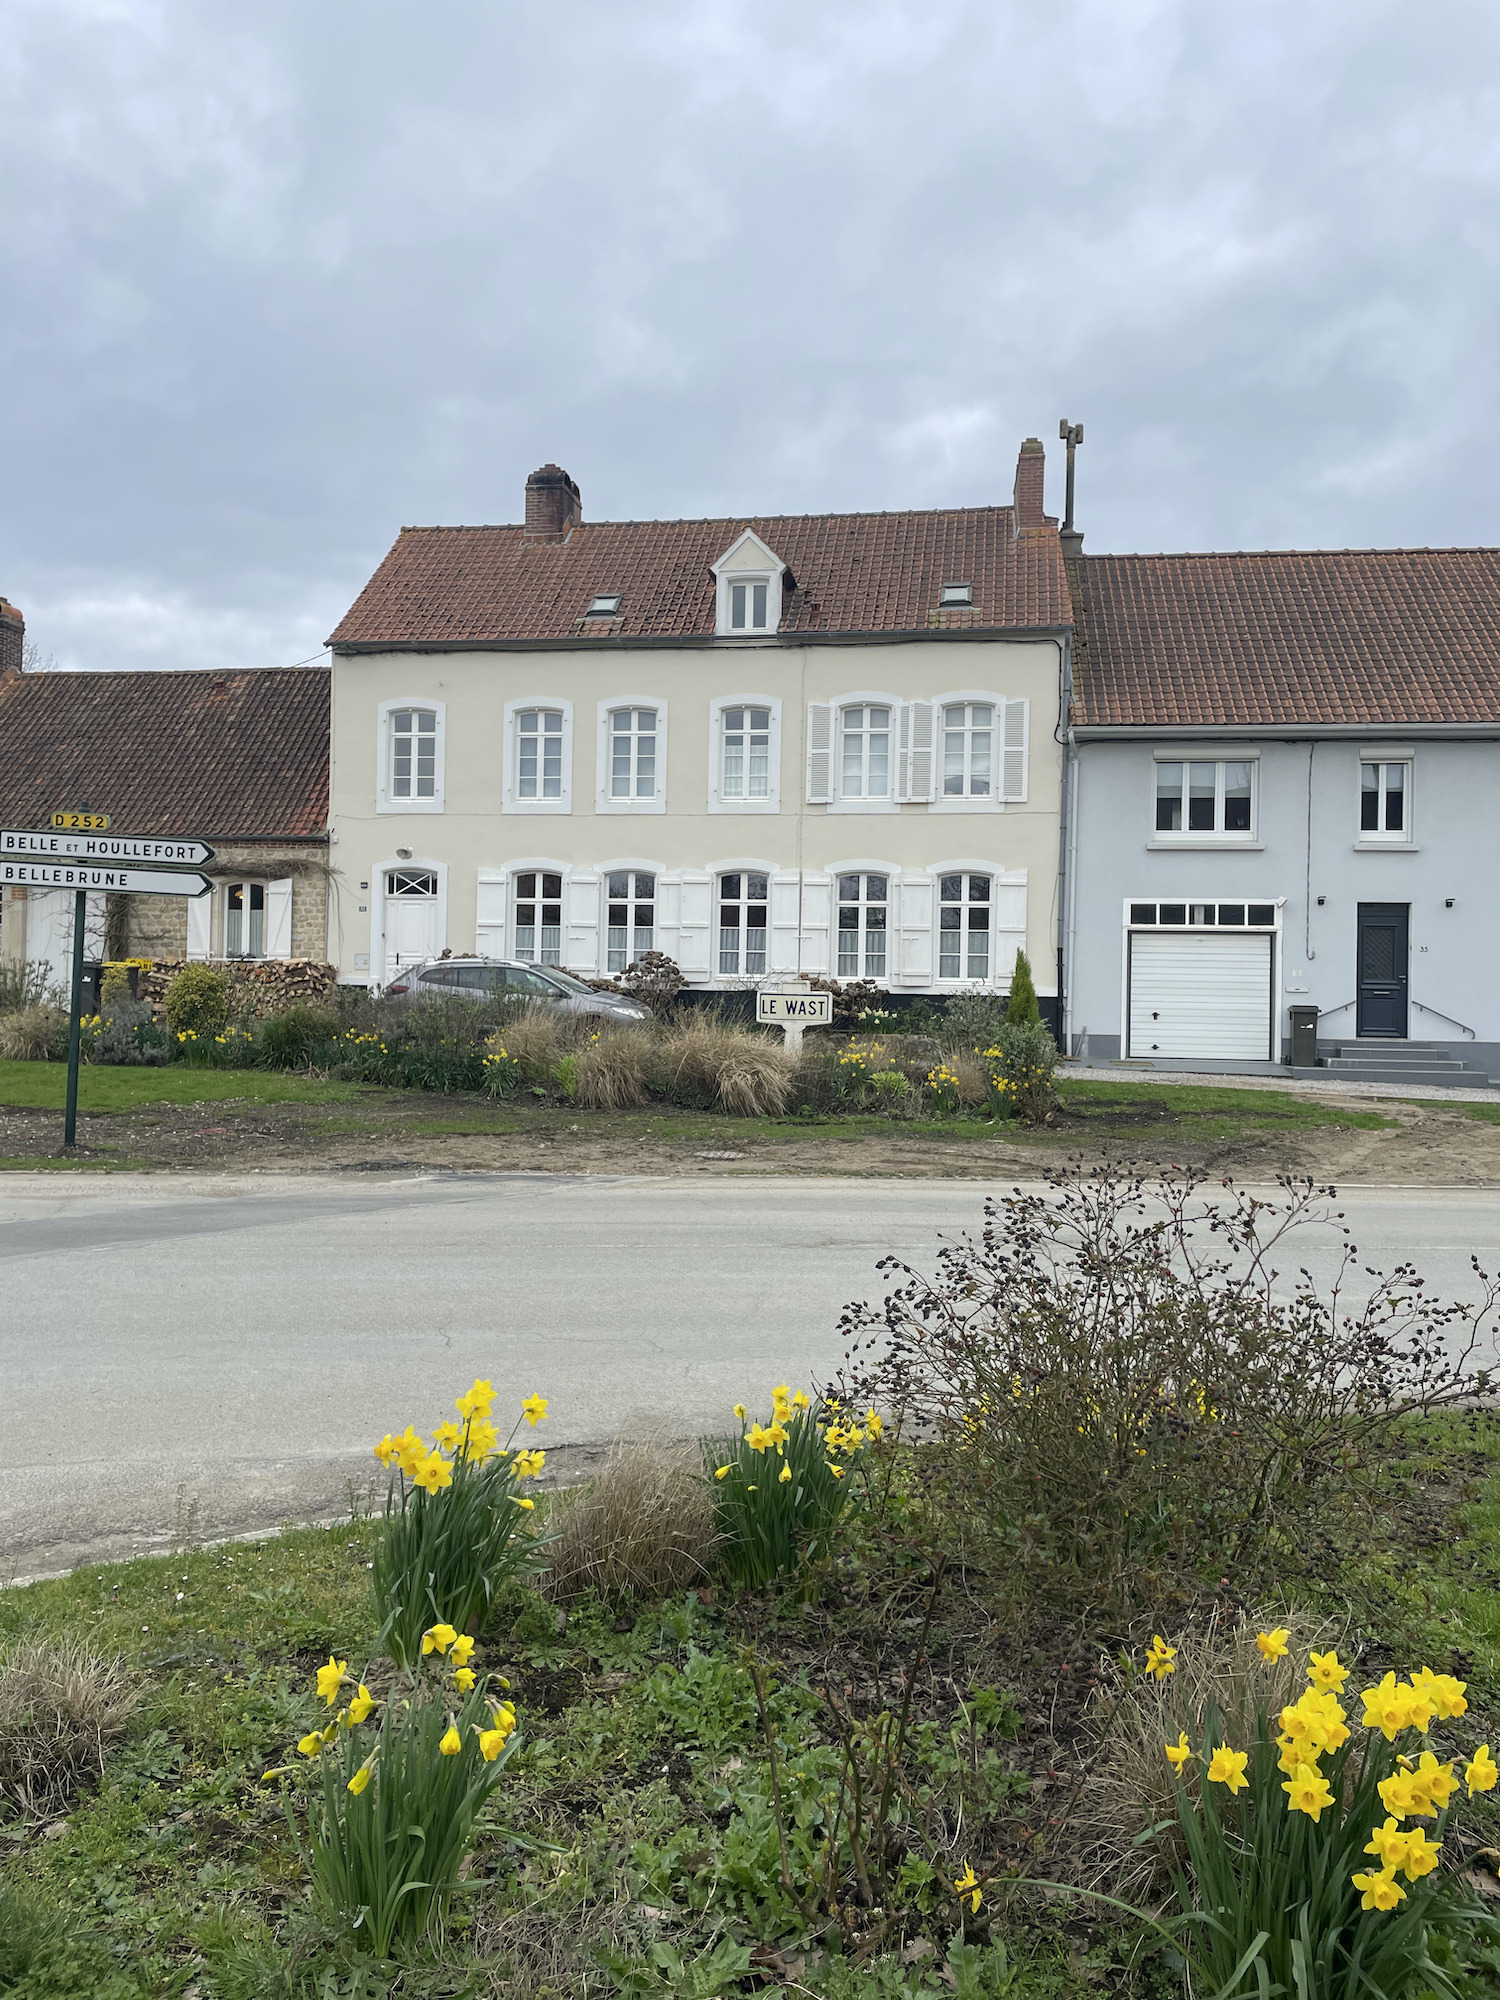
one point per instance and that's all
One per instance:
(281, 279)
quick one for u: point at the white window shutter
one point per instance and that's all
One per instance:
(200, 913)
(489, 914)
(917, 730)
(279, 918)
(582, 950)
(819, 752)
(693, 935)
(1013, 785)
(916, 928)
(786, 918)
(817, 891)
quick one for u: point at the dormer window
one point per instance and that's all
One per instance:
(956, 593)
(605, 606)
(748, 580)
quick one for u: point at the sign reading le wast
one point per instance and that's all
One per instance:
(118, 881)
(811, 1010)
(103, 847)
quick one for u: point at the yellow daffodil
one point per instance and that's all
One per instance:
(529, 1464)
(529, 1505)
(464, 1678)
(312, 1743)
(1433, 1781)
(461, 1649)
(1324, 1671)
(1179, 1752)
(331, 1678)
(783, 1478)
(1442, 1691)
(361, 1705)
(438, 1638)
(1388, 1707)
(534, 1409)
(448, 1436)
(1307, 1792)
(799, 1401)
(757, 1437)
(1481, 1771)
(837, 1471)
(1227, 1767)
(1389, 1844)
(777, 1434)
(361, 1778)
(433, 1474)
(874, 1425)
(1379, 1892)
(1422, 1855)
(1395, 1795)
(739, 1411)
(1160, 1658)
(476, 1402)
(491, 1743)
(1272, 1645)
(386, 1450)
(967, 1884)
(723, 1471)
(782, 1394)
(481, 1440)
(452, 1742)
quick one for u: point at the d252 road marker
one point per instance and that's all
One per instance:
(117, 881)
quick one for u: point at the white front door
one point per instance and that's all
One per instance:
(411, 929)
(1201, 995)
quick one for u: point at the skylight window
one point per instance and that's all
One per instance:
(957, 593)
(606, 606)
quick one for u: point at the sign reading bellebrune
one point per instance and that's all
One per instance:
(116, 881)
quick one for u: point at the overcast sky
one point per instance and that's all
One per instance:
(281, 277)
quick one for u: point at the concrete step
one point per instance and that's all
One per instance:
(1437, 1065)
(1457, 1078)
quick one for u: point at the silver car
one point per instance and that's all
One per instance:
(504, 978)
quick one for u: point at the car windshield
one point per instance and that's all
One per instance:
(566, 981)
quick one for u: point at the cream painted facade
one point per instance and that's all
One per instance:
(466, 867)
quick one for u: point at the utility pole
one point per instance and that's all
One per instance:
(1071, 539)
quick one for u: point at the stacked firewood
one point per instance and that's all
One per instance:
(257, 986)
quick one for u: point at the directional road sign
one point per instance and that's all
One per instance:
(119, 881)
(105, 847)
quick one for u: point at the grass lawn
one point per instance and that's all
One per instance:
(634, 1831)
(105, 1087)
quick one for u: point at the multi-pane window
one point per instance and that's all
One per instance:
(863, 902)
(743, 903)
(1199, 916)
(539, 918)
(245, 920)
(1205, 798)
(539, 753)
(964, 903)
(968, 749)
(413, 753)
(410, 882)
(632, 753)
(748, 604)
(1383, 811)
(632, 918)
(865, 770)
(747, 753)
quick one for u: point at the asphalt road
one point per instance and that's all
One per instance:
(215, 1355)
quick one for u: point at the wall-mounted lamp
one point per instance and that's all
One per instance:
(404, 854)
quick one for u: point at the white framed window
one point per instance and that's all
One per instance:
(747, 579)
(632, 756)
(244, 920)
(744, 754)
(865, 746)
(1205, 798)
(538, 757)
(1385, 801)
(630, 912)
(968, 750)
(744, 925)
(410, 775)
(965, 926)
(863, 926)
(537, 916)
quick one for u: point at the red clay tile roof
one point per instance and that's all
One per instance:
(239, 755)
(852, 573)
(1327, 636)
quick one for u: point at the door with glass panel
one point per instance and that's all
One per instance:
(964, 905)
(864, 901)
(410, 919)
(538, 917)
(632, 918)
(744, 901)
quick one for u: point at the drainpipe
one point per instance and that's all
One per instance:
(1063, 733)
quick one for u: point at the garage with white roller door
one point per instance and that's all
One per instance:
(1200, 980)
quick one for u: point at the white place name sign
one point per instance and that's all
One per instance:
(102, 847)
(804, 1009)
(119, 881)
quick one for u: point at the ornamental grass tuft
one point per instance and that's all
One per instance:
(454, 1526)
(643, 1526)
(62, 1706)
(780, 1489)
(388, 1810)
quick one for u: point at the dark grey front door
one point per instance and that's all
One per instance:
(1384, 938)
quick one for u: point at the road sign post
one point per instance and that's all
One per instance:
(793, 1008)
(75, 1029)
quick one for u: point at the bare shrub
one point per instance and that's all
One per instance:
(33, 1033)
(1119, 1386)
(702, 1060)
(1220, 1677)
(655, 980)
(60, 1707)
(643, 1526)
(610, 1074)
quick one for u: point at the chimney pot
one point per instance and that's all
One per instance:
(553, 505)
(1031, 473)
(12, 639)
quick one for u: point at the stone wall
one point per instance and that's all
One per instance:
(257, 986)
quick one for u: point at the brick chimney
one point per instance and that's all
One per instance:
(1031, 471)
(12, 638)
(553, 505)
